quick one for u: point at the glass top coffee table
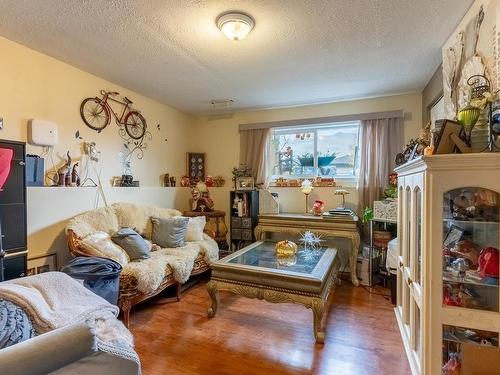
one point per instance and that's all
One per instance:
(256, 272)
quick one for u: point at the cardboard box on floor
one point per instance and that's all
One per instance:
(480, 360)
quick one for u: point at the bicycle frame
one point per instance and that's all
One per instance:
(104, 102)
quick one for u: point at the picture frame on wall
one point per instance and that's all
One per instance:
(41, 264)
(196, 165)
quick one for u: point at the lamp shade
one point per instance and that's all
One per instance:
(5, 160)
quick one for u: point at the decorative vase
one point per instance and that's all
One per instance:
(286, 248)
(468, 117)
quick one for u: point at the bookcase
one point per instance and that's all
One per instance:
(447, 277)
(244, 210)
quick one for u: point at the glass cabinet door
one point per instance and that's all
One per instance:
(470, 248)
(453, 339)
(418, 240)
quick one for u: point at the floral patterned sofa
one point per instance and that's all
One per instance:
(89, 235)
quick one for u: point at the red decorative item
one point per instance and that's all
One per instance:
(318, 207)
(488, 262)
(6, 155)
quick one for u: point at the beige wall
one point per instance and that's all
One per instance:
(37, 86)
(34, 85)
(219, 138)
(432, 92)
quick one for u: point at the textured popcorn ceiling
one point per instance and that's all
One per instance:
(301, 51)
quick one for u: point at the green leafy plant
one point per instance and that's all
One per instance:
(391, 192)
(367, 215)
(241, 171)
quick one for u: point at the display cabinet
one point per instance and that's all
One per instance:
(447, 279)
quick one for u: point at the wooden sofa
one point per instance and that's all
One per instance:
(130, 295)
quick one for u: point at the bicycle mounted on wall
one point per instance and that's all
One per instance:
(96, 113)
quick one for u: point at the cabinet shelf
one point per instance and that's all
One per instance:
(469, 222)
(456, 280)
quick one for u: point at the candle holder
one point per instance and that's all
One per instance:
(306, 189)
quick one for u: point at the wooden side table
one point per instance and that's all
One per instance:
(215, 227)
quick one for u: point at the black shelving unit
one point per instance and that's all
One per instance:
(13, 218)
(242, 226)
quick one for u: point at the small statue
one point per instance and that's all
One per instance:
(201, 198)
(75, 178)
(63, 173)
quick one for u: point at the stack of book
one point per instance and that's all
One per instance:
(338, 213)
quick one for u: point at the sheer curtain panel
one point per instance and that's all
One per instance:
(255, 153)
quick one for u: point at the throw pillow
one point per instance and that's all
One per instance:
(15, 325)
(195, 228)
(132, 242)
(99, 244)
(170, 232)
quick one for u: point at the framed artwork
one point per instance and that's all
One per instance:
(444, 143)
(41, 264)
(244, 183)
(196, 163)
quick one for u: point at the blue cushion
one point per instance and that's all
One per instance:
(170, 232)
(15, 325)
(132, 242)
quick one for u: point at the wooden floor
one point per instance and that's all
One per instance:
(255, 337)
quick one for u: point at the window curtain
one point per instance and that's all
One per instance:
(380, 141)
(255, 153)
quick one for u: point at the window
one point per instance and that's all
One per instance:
(329, 150)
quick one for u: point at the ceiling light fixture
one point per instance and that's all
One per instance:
(235, 25)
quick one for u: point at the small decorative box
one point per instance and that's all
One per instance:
(386, 209)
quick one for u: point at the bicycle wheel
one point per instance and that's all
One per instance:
(94, 114)
(135, 125)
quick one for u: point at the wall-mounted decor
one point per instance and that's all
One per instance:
(41, 264)
(97, 112)
(471, 61)
(196, 163)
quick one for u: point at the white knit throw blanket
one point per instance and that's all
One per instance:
(53, 300)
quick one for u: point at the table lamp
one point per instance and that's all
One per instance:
(343, 193)
(5, 160)
(306, 188)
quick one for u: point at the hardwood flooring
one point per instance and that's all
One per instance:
(255, 337)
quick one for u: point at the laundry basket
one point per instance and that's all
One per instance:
(100, 275)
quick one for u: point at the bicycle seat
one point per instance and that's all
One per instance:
(127, 100)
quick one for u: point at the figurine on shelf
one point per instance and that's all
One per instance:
(185, 181)
(201, 198)
(209, 181)
(64, 174)
(318, 207)
(75, 178)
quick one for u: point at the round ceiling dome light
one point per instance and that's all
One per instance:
(235, 25)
